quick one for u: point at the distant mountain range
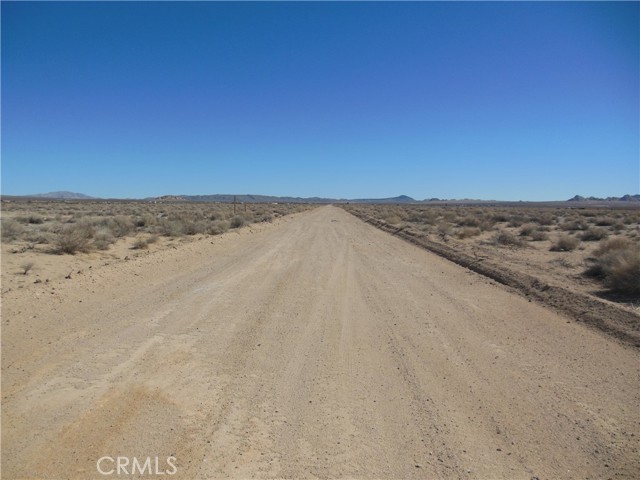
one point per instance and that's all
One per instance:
(272, 199)
(624, 198)
(62, 196)
(228, 198)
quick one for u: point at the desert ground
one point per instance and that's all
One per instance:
(307, 344)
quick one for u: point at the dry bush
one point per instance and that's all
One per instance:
(218, 227)
(30, 219)
(170, 228)
(468, 232)
(73, 239)
(527, 229)
(573, 225)
(191, 227)
(622, 271)
(539, 236)
(618, 243)
(103, 239)
(140, 244)
(444, 228)
(604, 221)
(237, 221)
(120, 225)
(26, 267)
(594, 234)
(11, 229)
(565, 243)
(517, 220)
(507, 239)
(617, 263)
(392, 218)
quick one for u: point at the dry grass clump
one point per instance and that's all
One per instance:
(565, 243)
(10, 229)
(539, 236)
(73, 239)
(527, 229)
(507, 239)
(103, 239)
(26, 267)
(468, 232)
(594, 234)
(237, 222)
(617, 263)
(218, 227)
(574, 225)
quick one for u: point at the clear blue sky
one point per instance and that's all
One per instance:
(480, 100)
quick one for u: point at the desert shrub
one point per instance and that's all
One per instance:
(618, 266)
(622, 271)
(120, 225)
(73, 239)
(565, 243)
(467, 232)
(507, 239)
(444, 228)
(392, 218)
(140, 244)
(469, 221)
(594, 234)
(26, 267)
(539, 235)
(618, 226)
(544, 219)
(573, 225)
(103, 239)
(218, 227)
(32, 219)
(265, 218)
(194, 227)
(152, 239)
(604, 221)
(618, 243)
(11, 229)
(527, 229)
(517, 220)
(170, 228)
(237, 222)
(146, 220)
(38, 237)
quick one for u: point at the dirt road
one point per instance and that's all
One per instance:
(319, 347)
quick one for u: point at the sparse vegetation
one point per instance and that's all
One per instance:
(508, 239)
(73, 227)
(73, 239)
(559, 239)
(565, 243)
(26, 267)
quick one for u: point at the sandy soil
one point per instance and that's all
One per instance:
(316, 347)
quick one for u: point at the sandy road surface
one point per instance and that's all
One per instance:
(318, 347)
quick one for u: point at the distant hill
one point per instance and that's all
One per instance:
(62, 196)
(624, 198)
(248, 198)
(399, 199)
